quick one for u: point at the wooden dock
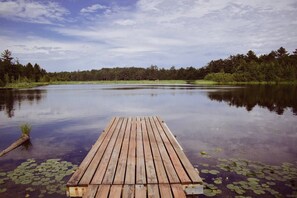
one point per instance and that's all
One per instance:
(135, 157)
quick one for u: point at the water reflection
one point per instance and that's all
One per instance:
(27, 145)
(10, 98)
(274, 98)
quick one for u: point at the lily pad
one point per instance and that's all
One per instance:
(2, 190)
(218, 180)
(204, 171)
(214, 172)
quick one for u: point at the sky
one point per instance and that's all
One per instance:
(71, 35)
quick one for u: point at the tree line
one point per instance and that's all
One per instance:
(12, 71)
(276, 66)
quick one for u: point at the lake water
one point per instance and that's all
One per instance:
(242, 139)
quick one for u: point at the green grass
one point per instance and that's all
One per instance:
(204, 82)
(121, 82)
(26, 129)
(260, 83)
(151, 82)
(25, 85)
(170, 82)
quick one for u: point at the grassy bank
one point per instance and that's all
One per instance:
(120, 82)
(150, 82)
(259, 83)
(25, 85)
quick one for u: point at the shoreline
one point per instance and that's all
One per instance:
(149, 82)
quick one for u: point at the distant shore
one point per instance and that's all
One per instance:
(151, 82)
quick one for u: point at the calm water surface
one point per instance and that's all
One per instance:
(254, 125)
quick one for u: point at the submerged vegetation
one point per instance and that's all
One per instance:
(277, 66)
(246, 178)
(38, 179)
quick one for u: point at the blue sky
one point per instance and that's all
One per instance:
(68, 35)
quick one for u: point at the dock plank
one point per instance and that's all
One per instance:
(98, 176)
(111, 168)
(89, 173)
(75, 178)
(171, 173)
(128, 191)
(185, 161)
(103, 191)
(91, 191)
(121, 169)
(165, 190)
(140, 191)
(182, 174)
(130, 172)
(161, 173)
(135, 157)
(149, 162)
(115, 191)
(153, 191)
(178, 191)
(140, 165)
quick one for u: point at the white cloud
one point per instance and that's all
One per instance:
(125, 22)
(33, 12)
(93, 8)
(191, 32)
(165, 32)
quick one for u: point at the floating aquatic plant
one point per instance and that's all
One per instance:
(46, 176)
(2, 190)
(211, 190)
(250, 178)
(218, 180)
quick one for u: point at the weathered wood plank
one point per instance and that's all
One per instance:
(120, 172)
(130, 171)
(76, 177)
(128, 191)
(103, 191)
(182, 174)
(135, 157)
(98, 176)
(115, 191)
(193, 174)
(178, 191)
(140, 165)
(149, 162)
(165, 190)
(153, 191)
(91, 191)
(172, 176)
(111, 168)
(140, 191)
(160, 170)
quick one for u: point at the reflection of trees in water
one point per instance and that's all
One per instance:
(9, 99)
(276, 98)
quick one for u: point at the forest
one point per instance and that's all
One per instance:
(277, 66)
